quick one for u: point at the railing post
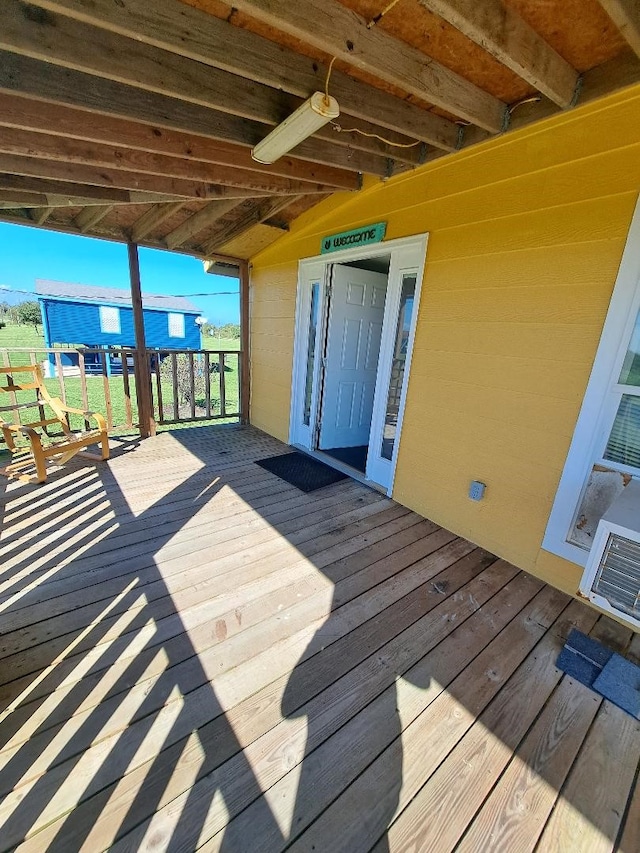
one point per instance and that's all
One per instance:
(141, 361)
(245, 376)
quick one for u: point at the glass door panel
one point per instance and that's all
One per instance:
(399, 358)
(311, 352)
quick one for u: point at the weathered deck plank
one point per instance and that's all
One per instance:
(196, 656)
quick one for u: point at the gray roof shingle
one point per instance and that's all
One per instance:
(91, 293)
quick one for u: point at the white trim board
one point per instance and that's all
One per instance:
(587, 437)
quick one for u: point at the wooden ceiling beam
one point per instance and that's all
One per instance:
(26, 143)
(119, 178)
(625, 14)
(89, 217)
(28, 114)
(152, 219)
(55, 84)
(333, 28)
(41, 216)
(611, 76)
(505, 35)
(116, 235)
(34, 200)
(174, 27)
(70, 194)
(254, 216)
(81, 47)
(21, 198)
(197, 223)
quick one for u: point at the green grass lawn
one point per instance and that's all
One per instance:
(16, 336)
(20, 336)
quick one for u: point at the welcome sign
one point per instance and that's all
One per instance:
(349, 239)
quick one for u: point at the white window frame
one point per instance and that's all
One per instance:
(109, 314)
(171, 317)
(600, 403)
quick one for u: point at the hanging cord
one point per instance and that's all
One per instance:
(534, 99)
(326, 82)
(339, 129)
(386, 9)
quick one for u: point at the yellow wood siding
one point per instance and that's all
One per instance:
(526, 235)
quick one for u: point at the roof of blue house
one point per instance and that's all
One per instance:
(81, 314)
(111, 296)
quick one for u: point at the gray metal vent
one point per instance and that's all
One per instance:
(618, 576)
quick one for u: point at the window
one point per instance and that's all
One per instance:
(109, 320)
(623, 444)
(176, 325)
(605, 451)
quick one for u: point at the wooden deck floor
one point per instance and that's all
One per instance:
(197, 656)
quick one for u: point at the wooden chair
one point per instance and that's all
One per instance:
(30, 443)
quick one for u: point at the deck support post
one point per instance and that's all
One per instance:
(245, 375)
(146, 420)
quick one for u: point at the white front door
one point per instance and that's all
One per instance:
(356, 314)
(352, 352)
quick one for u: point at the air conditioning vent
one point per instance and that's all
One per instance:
(618, 578)
(612, 576)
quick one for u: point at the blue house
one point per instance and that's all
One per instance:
(88, 316)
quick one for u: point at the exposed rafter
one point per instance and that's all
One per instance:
(106, 103)
(192, 33)
(85, 48)
(152, 219)
(28, 144)
(12, 199)
(622, 71)
(40, 216)
(503, 33)
(338, 31)
(55, 84)
(69, 193)
(89, 217)
(123, 179)
(197, 223)
(626, 16)
(28, 114)
(254, 216)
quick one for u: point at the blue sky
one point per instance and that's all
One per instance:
(30, 253)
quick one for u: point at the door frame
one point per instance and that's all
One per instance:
(407, 256)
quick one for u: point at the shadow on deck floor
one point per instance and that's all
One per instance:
(196, 656)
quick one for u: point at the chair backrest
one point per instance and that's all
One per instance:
(13, 381)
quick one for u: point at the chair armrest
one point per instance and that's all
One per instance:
(23, 430)
(26, 431)
(86, 413)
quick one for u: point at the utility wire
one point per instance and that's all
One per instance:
(8, 289)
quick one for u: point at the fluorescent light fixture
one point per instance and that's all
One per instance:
(309, 117)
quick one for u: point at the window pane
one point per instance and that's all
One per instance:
(311, 351)
(397, 366)
(630, 373)
(176, 325)
(109, 320)
(624, 442)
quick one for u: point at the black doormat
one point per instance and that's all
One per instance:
(301, 471)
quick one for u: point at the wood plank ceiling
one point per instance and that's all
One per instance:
(134, 120)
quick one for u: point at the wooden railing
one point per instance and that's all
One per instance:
(186, 385)
(195, 385)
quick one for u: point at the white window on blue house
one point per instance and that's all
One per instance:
(176, 325)
(605, 452)
(109, 320)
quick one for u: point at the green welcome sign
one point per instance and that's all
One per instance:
(349, 239)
